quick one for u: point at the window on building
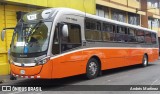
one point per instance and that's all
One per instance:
(133, 19)
(102, 12)
(152, 3)
(93, 30)
(153, 23)
(108, 32)
(148, 37)
(118, 15)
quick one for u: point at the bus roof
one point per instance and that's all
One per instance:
(69, 10)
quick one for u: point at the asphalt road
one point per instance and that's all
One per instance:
(133, 75)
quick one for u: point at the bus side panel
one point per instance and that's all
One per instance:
(75, 63)
(150, 54)
(154, 55)
(132, 57)
(46, 71)
(68, 65)
(113, 58)
(135, 56)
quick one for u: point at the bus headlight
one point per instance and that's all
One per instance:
(44, 60)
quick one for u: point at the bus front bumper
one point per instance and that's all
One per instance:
(40, 71)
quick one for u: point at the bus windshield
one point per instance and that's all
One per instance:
(31, 37)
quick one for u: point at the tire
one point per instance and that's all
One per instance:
(145, 61)
(12, 77)
(92, 69)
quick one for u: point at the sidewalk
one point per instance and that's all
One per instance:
(4, 78)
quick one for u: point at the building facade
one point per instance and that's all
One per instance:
(143, 13)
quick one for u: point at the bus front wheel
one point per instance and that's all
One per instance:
(12, 77)
(92, 69)
(145, 61)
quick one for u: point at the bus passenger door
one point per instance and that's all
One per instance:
(70, 60)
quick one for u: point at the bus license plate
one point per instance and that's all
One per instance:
(22, 71)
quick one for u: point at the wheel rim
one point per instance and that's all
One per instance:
(92, 68)
(145, 61)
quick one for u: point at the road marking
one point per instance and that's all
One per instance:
(154, 82)
(109, 80)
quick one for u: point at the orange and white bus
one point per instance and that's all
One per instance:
(62, 42)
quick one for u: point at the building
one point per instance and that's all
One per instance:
(144, 13)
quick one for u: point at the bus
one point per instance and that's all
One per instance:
(61, 42)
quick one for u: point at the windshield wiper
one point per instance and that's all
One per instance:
(36, 25)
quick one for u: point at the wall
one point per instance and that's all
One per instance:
(134, 4)
(124, 5)
(83, 5)
(154, 14)
(4, 66)
(124, 2)
(30, 2)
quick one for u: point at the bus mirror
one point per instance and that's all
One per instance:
(3, 32)
(65, 30)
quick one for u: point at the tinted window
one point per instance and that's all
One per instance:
(56, 45)
(90, 25)
(74, 38)
(107, 27)
(93, 30)
(140, 36)
(148, 37)
(132, 35)
(98, 26)
(107, 34)
(120, 30)
(121, 34)
(153, 36)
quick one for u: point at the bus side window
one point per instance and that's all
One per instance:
(140, 36)
(93, 30)
(107, 32)
(148, 37)
(56, 45)
(120, 34)
(132, 35)
(154, 38)
(74, 38)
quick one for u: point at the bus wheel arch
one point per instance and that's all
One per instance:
(95, 60)
(145, 60)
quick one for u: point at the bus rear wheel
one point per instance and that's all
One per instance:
(145, 61)
(92, 69)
